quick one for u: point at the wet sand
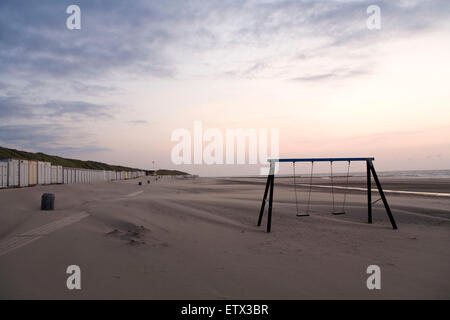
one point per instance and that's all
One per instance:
(197, 239)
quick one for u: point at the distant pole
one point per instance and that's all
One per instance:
(154, 171)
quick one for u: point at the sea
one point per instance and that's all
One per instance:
(435, 174)
(416, 174)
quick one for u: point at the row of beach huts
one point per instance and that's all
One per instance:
(24, 173)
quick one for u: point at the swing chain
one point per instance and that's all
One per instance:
(332, 184)
(295, 190)
(299, 214)
(346, 187)
(310, 187)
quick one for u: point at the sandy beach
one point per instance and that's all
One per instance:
(198, 239)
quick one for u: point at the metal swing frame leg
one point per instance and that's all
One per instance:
(371, 169)
(263, 204)
(369, 194)
(269, 189)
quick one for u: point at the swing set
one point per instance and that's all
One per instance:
(336, 211)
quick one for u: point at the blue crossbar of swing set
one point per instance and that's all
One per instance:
(319, 159)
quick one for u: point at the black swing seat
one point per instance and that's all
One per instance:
(302, 214)
(338, 212)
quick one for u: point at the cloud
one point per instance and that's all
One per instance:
(113, 36)
(288, 36)
(336, 74)
(50, 138)
(408, 134)
(252, 71)
(16, 108)
(158, 39)
(91, 89)
(138, 122)
(49, 73)
(54, 126)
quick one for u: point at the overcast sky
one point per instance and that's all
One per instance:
(116, 89)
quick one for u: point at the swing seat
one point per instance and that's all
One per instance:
(338, 212)
(302, 214)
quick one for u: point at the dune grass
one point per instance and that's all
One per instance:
(6, 153)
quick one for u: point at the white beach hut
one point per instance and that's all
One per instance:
(47, 173)
(23, 173)
(13, 172)
(3, 174)
(32, 172)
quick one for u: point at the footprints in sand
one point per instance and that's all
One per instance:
(132, 237)
(139, 235)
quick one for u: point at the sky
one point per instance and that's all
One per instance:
(118, 88)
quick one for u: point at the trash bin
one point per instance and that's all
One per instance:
(48, 201)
